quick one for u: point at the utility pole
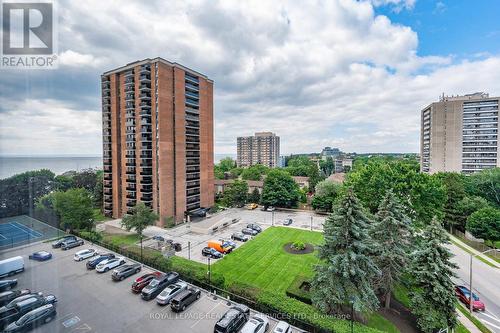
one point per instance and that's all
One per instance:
(272, 222)
(189, 250)
(30, 191)
(311, 223)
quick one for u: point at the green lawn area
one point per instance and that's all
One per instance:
(121, 239)
(263, 263)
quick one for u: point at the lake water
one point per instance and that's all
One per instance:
(10, 166)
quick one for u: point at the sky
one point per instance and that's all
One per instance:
(347, 74)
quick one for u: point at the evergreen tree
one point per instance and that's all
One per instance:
(347, 271)
(392, 235)
(432, 299)
(254, 197)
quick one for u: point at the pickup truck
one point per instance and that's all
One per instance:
(22, 305)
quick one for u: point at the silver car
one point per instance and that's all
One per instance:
(168, 293)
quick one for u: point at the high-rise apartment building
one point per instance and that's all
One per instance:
(157, 139)
(460, 134)
(262, 148)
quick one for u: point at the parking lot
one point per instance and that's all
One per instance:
(92, 302)
(192, 243)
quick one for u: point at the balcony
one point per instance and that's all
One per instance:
(192, 139)
(193, 176)
(192, 184)
(146, 146)
(146, 171)
(129, 74)
(106, 109)
(144, 87)
(108, 191)
(107, 168)
(193, 199)
(193, 161)
(147, 180)
(129, 106)
(194, 118)
(194, 168)
(192, 103)
(146, 163)
(191, 192)
(131, 178)
(107, 161)
(146, 188)
(191, 79)
(130, 138)
(192, 206)
(145, 69)
(145, 96)
(195, 112)
(131, 195)
(146, 121)
(130, 163)
(146, 129)
(193, 146)
(130, 203)
(192, 95)
(190, 154)
(130, 154)
(146, 137)
(191, 87)
(130, 171)
(192, 132)
(130, 187)
(129, 97)
(145, 78)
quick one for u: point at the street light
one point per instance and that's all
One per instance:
(470, 276)
(209, 275)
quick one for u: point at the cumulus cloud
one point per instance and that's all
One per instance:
(317, 73)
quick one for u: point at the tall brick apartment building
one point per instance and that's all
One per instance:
(157, 139)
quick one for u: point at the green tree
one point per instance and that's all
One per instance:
(15, 191)
(347, 269)
(236, 172)
(235, 194)
(322, 203)
(141, 217)
(423, 195)
(432, 299)
(63, 183)
(485, 224)
(455, 191)
(466, 207)
(327, 166)
(392, 235)
(304, 167)
(75, 209)
(280, 190)
(486, 184)
(98, 190)
(325, 195)
(254, 197)
(224, 165)
(86, 179)
(254, 172)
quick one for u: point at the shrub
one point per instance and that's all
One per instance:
(299, 246)
(92, 236)
(296, 290)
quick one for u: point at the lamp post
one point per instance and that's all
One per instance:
(209, 275)
(471, 307)
(352, 315)
(311, 223)
(272, 222)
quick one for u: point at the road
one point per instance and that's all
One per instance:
(485, 282)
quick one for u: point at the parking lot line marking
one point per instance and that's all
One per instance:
(71, 321)
(212, 309)
(85, 328)
(65, 316)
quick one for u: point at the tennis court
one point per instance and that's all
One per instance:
(19, 230)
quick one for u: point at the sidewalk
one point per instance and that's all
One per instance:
(469, 325)
(474, 251)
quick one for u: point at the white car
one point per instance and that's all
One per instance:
(282, 327)
(108, 264)
(256, 324)
(169, 293)
(84, 254)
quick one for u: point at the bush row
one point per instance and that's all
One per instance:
(296, 292)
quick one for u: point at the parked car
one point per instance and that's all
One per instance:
(182, 300)
(254, 226)
(33, 319)
(248, 231)
(212, 253)
(270, 209)
(125, 271)
(158, 238)
(252, 206)
(170, 292)
(287, 221)
(40, 256)
(143, 281)
(282, 327)
(463, 294)
(11, 266)
(69, 244)
(106, 265)
(92, 263)
(7, 284)
(219, 246)
(7, 296)
(228, 243)
(256, 324)
(232, 320)
(15, 310)
(84, 254)
(157, 285)
(57, 244)
(240, 237)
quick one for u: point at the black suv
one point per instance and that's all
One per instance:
(233, 320)
(157, 285)
(254, 226)
(121, 273)
(33, 319)
(94, 262)
(212, 253)
(57, 244)
(184, 299)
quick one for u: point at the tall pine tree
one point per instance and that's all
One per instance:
(347, 271)
(392, 235)
(433, 300)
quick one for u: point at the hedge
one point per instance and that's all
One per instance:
(296, 292)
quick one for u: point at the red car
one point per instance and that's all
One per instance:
(143, 281)
(463, 294)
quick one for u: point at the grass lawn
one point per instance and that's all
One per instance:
(121, 239)
(263, 263)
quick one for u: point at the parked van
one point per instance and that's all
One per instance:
(219, 246)
(11, 266)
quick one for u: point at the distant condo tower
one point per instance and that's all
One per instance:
(460, 134)
(157, 139)
(262, 148)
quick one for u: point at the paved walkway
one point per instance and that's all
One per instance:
(469, 325)
(474, 251)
